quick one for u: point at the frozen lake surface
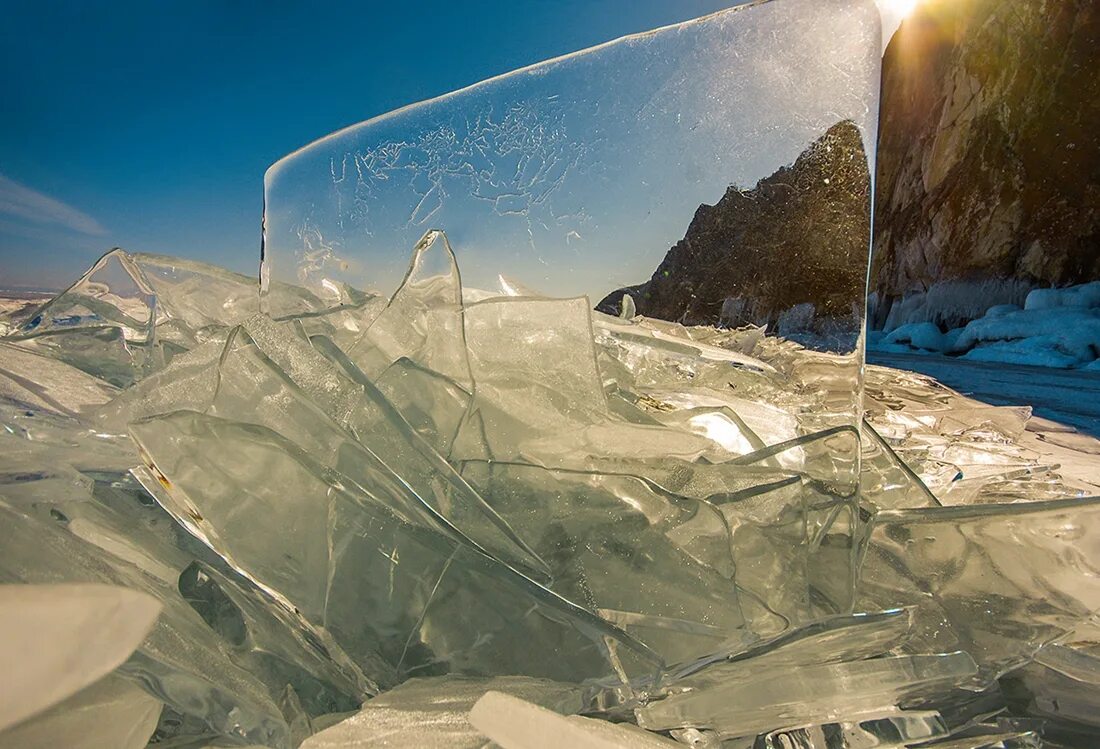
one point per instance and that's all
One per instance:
(1069, 396)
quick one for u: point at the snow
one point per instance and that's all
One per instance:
(1057, 328)
(923, 335)
(1000, 310)
(1055, 336)
(1084, 296)
(1040, 351)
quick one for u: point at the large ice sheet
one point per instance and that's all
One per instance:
(539, 170)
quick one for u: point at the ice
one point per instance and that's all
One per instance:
(466, 509)
(812, 694)
(181, 661)
(887, 729)
(344, 539)
(432, 713)
(58, 639)
(424, 319)
(46, 384)
(997, 582)
(658, 517)
(112, 712)
(515, 723)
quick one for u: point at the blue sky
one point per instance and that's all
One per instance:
(149, 125)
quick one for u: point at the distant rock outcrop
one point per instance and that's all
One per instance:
(989, 152)
(800, 236)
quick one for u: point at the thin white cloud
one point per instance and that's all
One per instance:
(22, 202)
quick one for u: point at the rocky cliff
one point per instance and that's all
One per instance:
(800, 236)
(989, 152)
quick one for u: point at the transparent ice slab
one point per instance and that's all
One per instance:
(432, 712)
(112, 712)
(577, 175)
(997, 581)
(58, 639)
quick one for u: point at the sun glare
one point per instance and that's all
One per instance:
(901, 7)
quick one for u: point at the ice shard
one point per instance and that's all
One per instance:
(997, 581)
(61, 638)
(111, 712)
(433, 711)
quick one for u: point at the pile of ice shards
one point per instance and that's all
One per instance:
(457, 515)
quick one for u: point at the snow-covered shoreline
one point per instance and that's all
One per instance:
(1057, 328)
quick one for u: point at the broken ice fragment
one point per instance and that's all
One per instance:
(514, 723)
(42, 382)
(423, 320)
(617, 542)
(431, 403)
(886, 481)
(534, 365)
(58, 639)
(113, 712)
(181, 660)
(348, 552)
(112, 293)
(889, 729)
(998, 581)
(432, 712)
(810, 695)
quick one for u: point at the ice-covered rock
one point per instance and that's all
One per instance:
(1082, 296)
(1046, 336)
(921, 335)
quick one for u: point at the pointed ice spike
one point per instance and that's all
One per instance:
(104, 324)
(57, 639)
(112, 293)
(423, 320)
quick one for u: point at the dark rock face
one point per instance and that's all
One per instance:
(989, 152)
(800, 236)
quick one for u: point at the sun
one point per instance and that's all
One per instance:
(894, 12)
(900, 8)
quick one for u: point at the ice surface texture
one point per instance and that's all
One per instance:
(470, 508)
(579, 173)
